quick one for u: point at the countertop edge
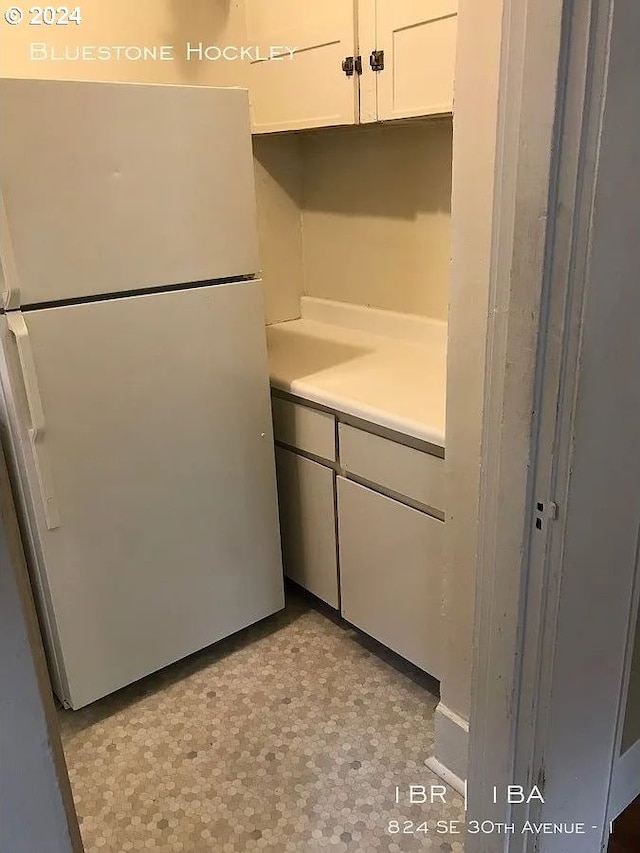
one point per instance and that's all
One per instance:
(370, 414)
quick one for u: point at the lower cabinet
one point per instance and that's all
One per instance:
(391, 573)
(307, 524)
(385, 571)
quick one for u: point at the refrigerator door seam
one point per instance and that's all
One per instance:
(134, 294)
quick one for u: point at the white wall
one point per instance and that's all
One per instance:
(474, 155)
(36, 809)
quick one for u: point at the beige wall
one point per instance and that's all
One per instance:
(279, 199)
(376, 218)
(133, 22)
(358, 215)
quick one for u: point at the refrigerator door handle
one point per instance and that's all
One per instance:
(19, 330)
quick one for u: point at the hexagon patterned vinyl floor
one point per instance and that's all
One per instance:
(290, 736)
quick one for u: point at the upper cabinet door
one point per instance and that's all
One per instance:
(418, 38)
(306, 88)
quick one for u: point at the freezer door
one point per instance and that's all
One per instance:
(116, 187)
(156, 522)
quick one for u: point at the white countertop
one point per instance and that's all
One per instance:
(385, 368)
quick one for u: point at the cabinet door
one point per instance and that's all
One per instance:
(418, 38)
(391, 573)
(307, 523)
(308, 89)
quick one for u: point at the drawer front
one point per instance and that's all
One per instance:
(304, 428)
(391, 570)
(409, 472)
(307, 523)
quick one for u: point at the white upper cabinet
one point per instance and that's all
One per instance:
(353, 61)
(416, 47)
(306, 88)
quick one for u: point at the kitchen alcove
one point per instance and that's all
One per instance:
(355, 243)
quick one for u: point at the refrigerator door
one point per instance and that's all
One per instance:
(116, 187)
(145, 440)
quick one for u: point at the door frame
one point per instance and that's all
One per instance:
(554, 73)
(33, 774)
(523, 228)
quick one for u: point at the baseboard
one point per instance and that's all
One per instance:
(445, 774)
(449, 760)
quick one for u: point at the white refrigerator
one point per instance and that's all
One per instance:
(135, 393)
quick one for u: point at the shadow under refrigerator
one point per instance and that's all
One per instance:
(135, 387)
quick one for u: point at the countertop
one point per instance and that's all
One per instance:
(387, 369)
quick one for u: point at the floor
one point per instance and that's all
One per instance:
(291, 736)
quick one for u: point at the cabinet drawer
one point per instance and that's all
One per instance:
(391, 568)
(304, 428)
(412, 473)
(307, 523)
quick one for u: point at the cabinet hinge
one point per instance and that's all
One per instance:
(376, 60)
(352, 65)
(545, 511)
